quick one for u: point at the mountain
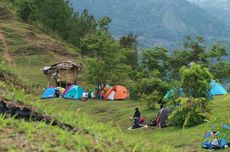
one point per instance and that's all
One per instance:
(164, 22)
(218, 8)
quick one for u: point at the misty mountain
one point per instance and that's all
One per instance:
(218, 8)
(164, 22)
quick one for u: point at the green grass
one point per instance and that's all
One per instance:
(106, 137)
(32, 49)
(116, 114)
(110, 120)
(107, 121)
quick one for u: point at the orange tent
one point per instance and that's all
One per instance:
(117, 93)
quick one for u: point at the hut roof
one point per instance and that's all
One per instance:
(64, 65)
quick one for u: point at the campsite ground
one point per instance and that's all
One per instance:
(114, 115)
(31, 49)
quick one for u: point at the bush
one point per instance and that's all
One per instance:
(151, 99)
(190, 112)
(195, 81)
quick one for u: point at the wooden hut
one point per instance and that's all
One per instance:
(62, 74)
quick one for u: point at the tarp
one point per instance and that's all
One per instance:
(217, 88)
(75, 92)
(48, 93)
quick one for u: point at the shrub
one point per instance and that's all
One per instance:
(195, 81)
(151, 99)
(190, 112)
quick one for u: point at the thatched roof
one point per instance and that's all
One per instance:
(65, 65)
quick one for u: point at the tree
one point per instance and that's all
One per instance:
(195, 81)
(26, 10)
(97, 45)
(220, 70)
(197, 49)
(178, 59)
(104, 23)
(106, 61)
(217, 51)
(129, 43)
(156, 59)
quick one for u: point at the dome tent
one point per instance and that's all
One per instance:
(117, 93)
(217, 88)
(48, 93)
(74, 92)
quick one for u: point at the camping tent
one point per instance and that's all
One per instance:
(75, 92)
(48, 93)
(67, 89)
(217, 88)
(172, 92)
(117, 93)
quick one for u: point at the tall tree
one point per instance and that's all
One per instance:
(156, 59)
(129, 43)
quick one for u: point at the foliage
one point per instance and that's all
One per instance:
(129, 42)
(107, 59)
(156, 59)
(151, 99)
(196, 52)
(217, 51)
(189, 112)
(57, 16)
(26, 10)
(220, 70)
(148, 88)
(195, 81)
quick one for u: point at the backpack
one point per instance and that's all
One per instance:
(214, 142)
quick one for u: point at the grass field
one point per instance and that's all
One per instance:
(116, 114)
(32, 49)
(110, 120)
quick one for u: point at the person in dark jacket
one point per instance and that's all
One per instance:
(57, 93)
(136, 119)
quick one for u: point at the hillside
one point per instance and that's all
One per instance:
(218, 8)
(29, 49)
(157, 21)
(26, 49)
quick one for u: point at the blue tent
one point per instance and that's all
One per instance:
(172, 92)
(48, 93)
(75, 92)
(217, 89)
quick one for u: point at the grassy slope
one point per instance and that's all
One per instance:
(106, 137)
(31, 49)
(117, 113)
(110, 120)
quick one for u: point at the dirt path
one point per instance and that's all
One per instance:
(5, 52)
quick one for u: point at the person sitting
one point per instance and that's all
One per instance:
(160, 119)
(57, 93)
(136, 119)
(101, 95)
(89, 95)
(85, 96)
